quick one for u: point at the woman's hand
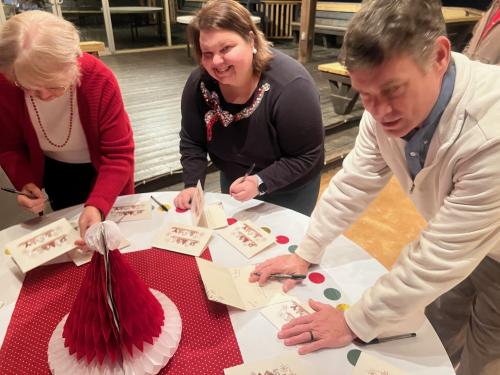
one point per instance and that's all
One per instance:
(289, 264)
(89, 216)
(36, 200)
(183, 199)
(244, 188)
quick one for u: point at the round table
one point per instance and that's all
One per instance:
(340, 268)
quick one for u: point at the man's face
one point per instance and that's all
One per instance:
(399, 93)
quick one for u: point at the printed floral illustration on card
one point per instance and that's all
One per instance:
(282, 313)
(247, 237)
(183, 239)
(283, 365)
(130, 212)
(42, 245)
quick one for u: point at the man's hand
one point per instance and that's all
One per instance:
(244, 190)
(36, 200)
(183, 199)
(89, 216)
(290, 264)
(325, 328)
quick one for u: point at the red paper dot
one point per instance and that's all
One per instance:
(231, 220)
(282, 239)
(316, 277)
(180, 210)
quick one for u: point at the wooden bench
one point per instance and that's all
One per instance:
(342, 94)
(333, 18)
(92, 47)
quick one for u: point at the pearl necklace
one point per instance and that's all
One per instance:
(70, 120)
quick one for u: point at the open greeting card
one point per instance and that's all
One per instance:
(282, 313)
(183, 239)
(130, 211)
(42, 245)
(371, 365)
(209, 216)
(231, 287)
(247, 237)
(284, 365)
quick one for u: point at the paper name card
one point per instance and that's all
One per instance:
(185, 239)
(247, 237)
(282, 365)
(209, 216)
(130, 212)
(231, 287)
(284, 312)
(371, 365)
(43, 245)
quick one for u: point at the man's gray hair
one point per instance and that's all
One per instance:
(383, 29)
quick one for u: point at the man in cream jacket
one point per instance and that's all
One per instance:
(433, 120)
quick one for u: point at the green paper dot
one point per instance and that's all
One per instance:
(353, 356)
(292, 248)
(266, 229)
(332, 293)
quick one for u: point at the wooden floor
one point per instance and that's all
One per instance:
(152, 84)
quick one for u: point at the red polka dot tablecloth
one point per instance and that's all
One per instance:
(208, 343)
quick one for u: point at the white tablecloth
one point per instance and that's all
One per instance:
(346, 266)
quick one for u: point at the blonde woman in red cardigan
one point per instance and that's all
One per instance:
(62, 120)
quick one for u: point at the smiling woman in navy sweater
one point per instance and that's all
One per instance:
(247, 104)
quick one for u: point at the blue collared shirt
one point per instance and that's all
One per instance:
(420, 138)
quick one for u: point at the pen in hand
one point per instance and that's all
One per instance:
(162, 206)
(386, 339)
(247, 173)
(14, 191)
(278, 276)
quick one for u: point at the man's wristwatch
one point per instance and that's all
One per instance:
(261, 186)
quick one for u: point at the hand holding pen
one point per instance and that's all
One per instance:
(245, 188)
(30, 197)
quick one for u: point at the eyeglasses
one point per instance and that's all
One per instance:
(53, 90)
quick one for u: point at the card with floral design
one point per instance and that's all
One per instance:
(181, 238)
(288, 364)
(43, 245)
(247, 237)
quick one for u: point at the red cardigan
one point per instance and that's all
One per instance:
(105, 124)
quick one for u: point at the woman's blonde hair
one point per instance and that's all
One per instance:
(232, 16)
(40, 49)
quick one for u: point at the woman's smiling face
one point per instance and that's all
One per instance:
(226, 56)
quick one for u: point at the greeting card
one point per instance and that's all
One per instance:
(207, 215)
(42, 245)
(247, 237)
(183, 239)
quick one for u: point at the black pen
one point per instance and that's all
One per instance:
(386, 339)
(293, 276)
(247, 173)
(162, 206)
(14, 191)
